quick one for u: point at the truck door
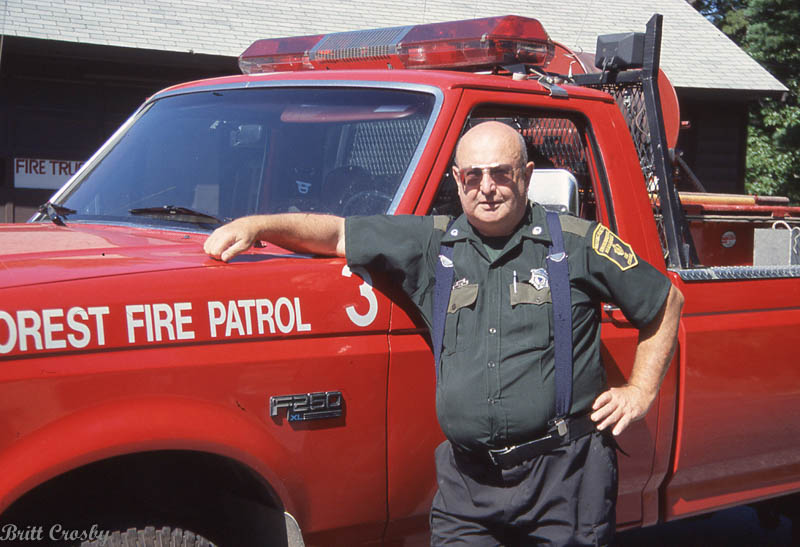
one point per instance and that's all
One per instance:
(560, 138)
(738, 437)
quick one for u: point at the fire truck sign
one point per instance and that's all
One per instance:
(46, 174)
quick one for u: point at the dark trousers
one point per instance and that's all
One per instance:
(566, 497)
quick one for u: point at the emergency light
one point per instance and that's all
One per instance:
(468, 44)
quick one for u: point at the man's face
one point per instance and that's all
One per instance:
(492, 178)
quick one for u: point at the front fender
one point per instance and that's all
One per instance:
(137, 425)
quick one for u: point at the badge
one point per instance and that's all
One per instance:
(303, 187)
(446, 262)
(539, 279)
(461, 283)
(607, 244)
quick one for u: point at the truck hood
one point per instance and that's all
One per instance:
(44, 253)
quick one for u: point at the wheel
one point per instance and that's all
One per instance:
(150, 537)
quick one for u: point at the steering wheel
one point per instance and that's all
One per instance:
(366, 202)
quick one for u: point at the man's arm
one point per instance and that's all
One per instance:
(302, 232)
(619, 406)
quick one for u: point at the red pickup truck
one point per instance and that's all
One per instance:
(282, 399)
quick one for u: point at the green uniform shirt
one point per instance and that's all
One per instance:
(496, 382)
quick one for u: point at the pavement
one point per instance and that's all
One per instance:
(736, 527)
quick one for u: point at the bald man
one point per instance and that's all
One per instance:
(507, 473)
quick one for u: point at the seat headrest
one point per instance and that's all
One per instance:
(555, 189)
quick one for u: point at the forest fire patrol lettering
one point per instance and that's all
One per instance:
(243, 316)
(54, 328)
(79, 327)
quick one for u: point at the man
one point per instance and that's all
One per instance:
(495, 386)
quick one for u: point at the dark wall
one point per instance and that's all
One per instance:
(60, 100)
(714, 144)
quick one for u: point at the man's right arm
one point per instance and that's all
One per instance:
(301, 232)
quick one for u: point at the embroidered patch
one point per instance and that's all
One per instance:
(606, 243)
(539, 279)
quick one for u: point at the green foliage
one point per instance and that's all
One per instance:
(773, 158)
(727, 15)
(769, 30)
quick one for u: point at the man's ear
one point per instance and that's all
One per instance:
(528, 173)
(457, 178)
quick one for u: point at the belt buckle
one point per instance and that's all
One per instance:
(500, 452)
(561, 425)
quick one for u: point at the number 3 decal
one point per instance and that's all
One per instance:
(358, 319)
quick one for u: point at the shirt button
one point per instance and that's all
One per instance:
(491, 401)
(492, 330)
(491, 364)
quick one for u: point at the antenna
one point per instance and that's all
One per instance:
(580, 30)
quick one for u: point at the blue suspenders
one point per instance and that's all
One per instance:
(558, 273)
(441, 297)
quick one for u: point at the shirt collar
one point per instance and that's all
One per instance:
(534, 226)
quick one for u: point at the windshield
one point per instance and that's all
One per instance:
(223, 154)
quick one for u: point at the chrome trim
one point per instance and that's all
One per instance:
(89, 164)
(733, 273)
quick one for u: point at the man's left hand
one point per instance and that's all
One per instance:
(619, 406)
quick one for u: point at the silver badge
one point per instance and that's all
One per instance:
(303, 407)
(539, 279)
(446, 262)
(454, 232)
(537, 230)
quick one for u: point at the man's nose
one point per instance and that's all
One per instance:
(487, 182)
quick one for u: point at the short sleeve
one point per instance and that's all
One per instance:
(399, 245)
(623, 278)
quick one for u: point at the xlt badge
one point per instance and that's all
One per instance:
(308, 406)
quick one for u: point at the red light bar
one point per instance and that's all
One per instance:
(471, 43)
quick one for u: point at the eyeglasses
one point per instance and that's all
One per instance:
(502, 173)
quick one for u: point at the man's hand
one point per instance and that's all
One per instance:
(231, 239)
(619, 406)
(300, 232)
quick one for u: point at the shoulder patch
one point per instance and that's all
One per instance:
(574, 225)
(608, 244)
(440, 222)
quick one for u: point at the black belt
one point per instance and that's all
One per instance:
(560, 434)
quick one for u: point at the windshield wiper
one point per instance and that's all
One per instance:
(56, 213)
(174, 212)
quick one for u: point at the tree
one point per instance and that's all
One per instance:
(773, 158)
(727, 15)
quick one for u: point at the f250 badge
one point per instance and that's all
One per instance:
(308, 406)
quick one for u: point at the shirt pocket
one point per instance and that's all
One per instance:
(460, 323)
(530, 317)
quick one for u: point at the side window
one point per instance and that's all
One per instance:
(557, 144)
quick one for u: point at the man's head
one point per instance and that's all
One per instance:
(492, 172)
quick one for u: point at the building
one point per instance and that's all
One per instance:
(71, 71)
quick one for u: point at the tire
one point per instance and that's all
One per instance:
(150, 537)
